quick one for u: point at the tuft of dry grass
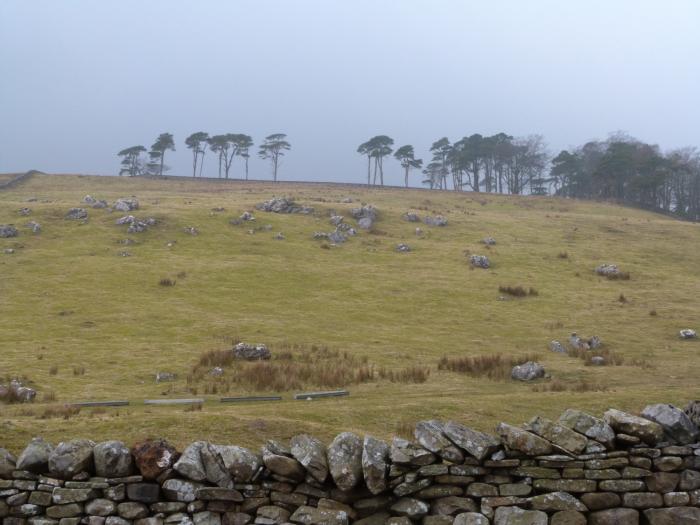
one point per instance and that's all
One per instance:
(59, 411)
(411, 374)
(557, 385)
(563, 255)
(493, 366)
(618, 276)
(79, 370)
(166, 281)
(622, 299)
(53, 370)
(518, 291)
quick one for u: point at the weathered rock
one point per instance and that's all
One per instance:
(470, 518)
(559, 435)
(152, 458)
(311, 453)
(214, 466)
(673, 516)
(345, 460)
(648, 431)
(241, 463)
(556, 346)
(247, 216)
(365, 223)
(436, 220)
(518, 516)
(143, 492)
(100, 507)
(219, 494)
(452, 505)
(523, 441)
(402, 247)
(607, 270)
(190, 463)
(337, 237)
(130, 510)
(35, 457)
(283, 205)
(164, 377)
(24, 211)
(478, 444)
(7, 463)
(126, 204)
(410, 217)
(676, 424)
(527, 371)
(403, 451)
(64, 511)
(410, 507)
(16, 391)
(77, 214)
(306, 515)
(568, 517)
(112, 459)
(181, 489)
(62, 496)
(278, 460)
(555, 501)
(588, 425)
(71, 457)
(89, 199)
(375, 457)
(7, 230)
(688, 333)
(34, 226)
(479, 261)
(251, 352)
(430, 435)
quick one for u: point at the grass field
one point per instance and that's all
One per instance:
(81, 322)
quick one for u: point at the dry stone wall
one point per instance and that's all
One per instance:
(616, 470)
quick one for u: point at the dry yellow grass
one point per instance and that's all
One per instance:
(69, 302)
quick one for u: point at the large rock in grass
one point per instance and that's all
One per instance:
(241, 463)
(126, 204)
(7, 463)
(430, 435)
(478, 444)
(278, 459)
(527, 371)
(251, 352)
(375, 464)
(35, 457)
(112, 459)
(345, 460)
(153, 457)
(676, 424)
(588, 425)
(648, 431)
(523, 441)
(71, 457)
(311, 453)
(77, 214)
(7, 230)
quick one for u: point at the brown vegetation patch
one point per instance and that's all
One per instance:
(493, 366)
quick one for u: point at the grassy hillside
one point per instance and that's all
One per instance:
(81, 322)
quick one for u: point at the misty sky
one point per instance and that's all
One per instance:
(82, 79)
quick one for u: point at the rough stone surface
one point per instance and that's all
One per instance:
(528, 371)
(430, 435)
(588, 425)
(35, 457)
(523, 441)
(478, 444)
(154, 457)
(251, 352)
(675, 423)
(375, 464)
(518, 516)
(311, 453)
(648, 431)
(112, 459)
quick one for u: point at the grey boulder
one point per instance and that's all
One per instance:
(430, 435)
(71, 457)
(527, 371)
(345, 460)
(112, 459)
(478, 444)
(648, 431)
(375, 458)
(35, 457)
(676, 424)
(311, 453)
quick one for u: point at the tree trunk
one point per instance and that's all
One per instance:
(406, 176)
(369, 169)
(162, 157)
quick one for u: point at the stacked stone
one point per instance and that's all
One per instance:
(618, 469)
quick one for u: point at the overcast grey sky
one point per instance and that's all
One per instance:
(82, 79)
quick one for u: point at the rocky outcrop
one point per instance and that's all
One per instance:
(251, 352)
(283, 205)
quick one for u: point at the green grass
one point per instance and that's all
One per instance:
(67, 300)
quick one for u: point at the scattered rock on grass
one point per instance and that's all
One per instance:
(247, 216)
(597, 360)
(162, 377)
(126, 204)
(9, 251)
(401, 247)
(16, 392)
(556, 346)
(365, 216)
(35, 227)
(436, 220)
(251, 352)
(687, 333)
(479, 261)
(410, 217)
(336, 220)
(279, 236)
(283, 205)
(528, 371)
(77, 214)
(191, 230)
(216, 371)
(7, 230)
(24, 211)
(489, 241)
